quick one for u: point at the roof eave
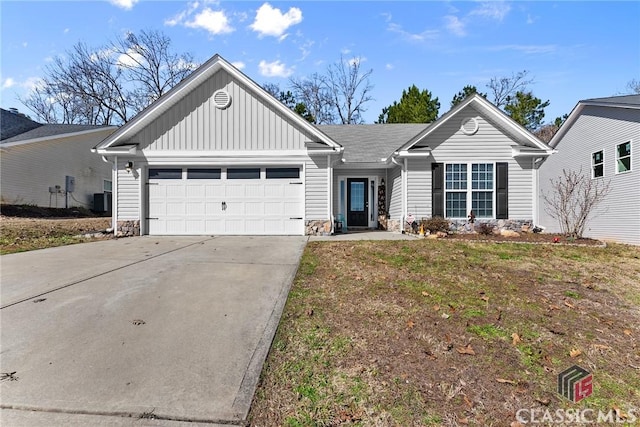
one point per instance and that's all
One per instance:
(58, 136)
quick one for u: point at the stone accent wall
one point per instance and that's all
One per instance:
(318, 227)
(394, 225)
(128, 228)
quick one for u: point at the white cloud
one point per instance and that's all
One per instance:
(66, 31)
(180, 17)
(131, 59)
(124, 4)
(8, 82)
(413, 37)
(356, 60)
(530, 19)
(389, 66)
(345, 51)
(32, 83)
(239, 65)
(455, 25)
(274, 69)
(25, 44)
(214, 21)
(494, 10)
(526, 49)
(270, 21)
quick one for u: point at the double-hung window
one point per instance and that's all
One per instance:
(597, 164)
(476, 192)
(623, 157)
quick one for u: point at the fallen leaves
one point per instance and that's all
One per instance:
(575, 352)
(516, 339)
(466, 350)
(503, 381)
(627, 332)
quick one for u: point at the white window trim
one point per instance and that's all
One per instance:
(469, 190)
(593, 171)
(630, 157)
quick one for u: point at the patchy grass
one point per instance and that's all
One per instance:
(22, 234)
(450, 333)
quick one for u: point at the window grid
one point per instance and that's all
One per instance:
(456, 176)
(456, 204)
(597, 164)
(482, 204)
(462, 191)
(623, 157)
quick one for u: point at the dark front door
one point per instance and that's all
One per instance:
(357, 202)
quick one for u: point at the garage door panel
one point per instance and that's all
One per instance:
(225, 206)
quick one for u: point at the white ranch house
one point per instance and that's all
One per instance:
(219, 155)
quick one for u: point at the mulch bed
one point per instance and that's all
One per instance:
(526, 238)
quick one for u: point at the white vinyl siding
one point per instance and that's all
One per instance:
(28, 170)
(317, 188)
(394, 193)
(128, 192)
(595, 129)
(490, 144)
(419, 188)
(195, 124)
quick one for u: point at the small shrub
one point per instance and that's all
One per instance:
(436, 224)
(484, 228)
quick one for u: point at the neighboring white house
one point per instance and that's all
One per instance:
(218, 154)
(601, 137)
(51, 165)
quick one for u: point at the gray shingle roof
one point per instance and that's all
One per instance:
(50, 130)
(12, 124)
(620, 100)
(370, 143)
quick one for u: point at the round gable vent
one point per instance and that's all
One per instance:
(469, 126)
(221, 99)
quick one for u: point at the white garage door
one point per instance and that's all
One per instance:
(235, 201)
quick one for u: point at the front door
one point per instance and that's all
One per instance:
(357, 202)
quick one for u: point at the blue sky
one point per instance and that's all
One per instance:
(574, 50)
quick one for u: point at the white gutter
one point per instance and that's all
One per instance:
(121, 149)
(58, 136)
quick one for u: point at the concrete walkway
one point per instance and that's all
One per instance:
(140, 331)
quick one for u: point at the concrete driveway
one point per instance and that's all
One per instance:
(140, 331)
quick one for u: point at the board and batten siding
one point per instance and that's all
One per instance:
(316, 188)
(617, 218)
(28, 170)
(195, 124)
(394, 193)
(489, 144)
(128, 194)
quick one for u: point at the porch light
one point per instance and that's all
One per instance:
(382, 182)
(128, 167)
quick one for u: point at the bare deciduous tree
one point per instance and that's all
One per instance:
(349, 88)
(572, 200)
(314, 94)
(109, 84)
(503, 88)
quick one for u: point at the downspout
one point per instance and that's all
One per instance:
(330, 192)
(405, 192)
(535, 201)
(114, 198)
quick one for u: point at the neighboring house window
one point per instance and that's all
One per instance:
(462, 192)
(597, 164)
(107, 186)
(623, 157)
